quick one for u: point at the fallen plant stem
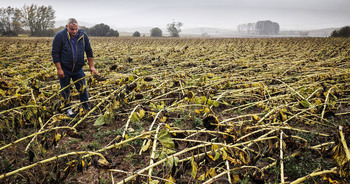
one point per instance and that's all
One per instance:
(150, 128)
(153, 153)
(292, 90)
(289, 128)
(128, 122)
(325, 103)
(20, 107)
(40, 131)
(281, 157)
(99, 104)
(35, 134)
(229, 146)
(51, 159)
(252, 133)
(228, 171)
(301, 180)
(343, 142)
(145, 175)
(126, 141)
(296, 154)
(162, 161)
(201, 131)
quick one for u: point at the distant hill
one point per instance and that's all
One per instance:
(187, 32)
(60, 23)
(311, 33)
(322, 32)
(209, 31)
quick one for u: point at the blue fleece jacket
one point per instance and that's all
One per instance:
(62, 50)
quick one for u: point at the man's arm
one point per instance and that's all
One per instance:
(60, 72)
(55, 52)
(91, 66)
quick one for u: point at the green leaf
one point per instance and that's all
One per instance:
(165, 138)
(216, 103)
(305, 104)
(172, 161)
(283, 115)
(100, 121)
(121, 81)
(217, 155)
(201, 177)
(146, 146)
(169, 151)
(141, 114)
(210, 102)
(203, 99)
(135, 118)
(194, 168)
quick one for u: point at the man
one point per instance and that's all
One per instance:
(68, 49)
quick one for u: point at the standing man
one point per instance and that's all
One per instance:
(68, 48)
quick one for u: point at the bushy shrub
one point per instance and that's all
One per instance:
(43, 33)
(156, 32)
(100, 30)
(342, 32)
(136, 34)
(174, 28)
(9, 33)
(112, 32)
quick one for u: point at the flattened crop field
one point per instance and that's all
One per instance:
(179, 110)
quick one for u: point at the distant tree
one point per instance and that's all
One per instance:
(242, 28)
(39, 19)
(267, 27)
(10, 21)
(99, 30)
(342, 32)
(112, 32)
(174, 28)
(136, 34)
(85, 29)
(16, 21)
(251, 28)
(156, 32)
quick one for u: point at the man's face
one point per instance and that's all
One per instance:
(72, 29)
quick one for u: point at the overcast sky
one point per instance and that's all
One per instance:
(290, 14)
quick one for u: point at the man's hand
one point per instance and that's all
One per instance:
(60, 73)
(93, 71)
(91, 66)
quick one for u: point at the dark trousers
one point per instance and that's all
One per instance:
(80, 86)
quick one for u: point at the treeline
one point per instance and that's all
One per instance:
(39, 20)
(342, 32)
(266, 27)
(100, 30)
(96, 30)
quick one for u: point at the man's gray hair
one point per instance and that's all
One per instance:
(71, 21)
